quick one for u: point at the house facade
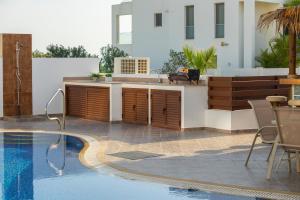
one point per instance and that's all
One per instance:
(146, 28)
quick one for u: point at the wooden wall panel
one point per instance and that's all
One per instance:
(158, 108)
(9, 74)
(142, 106)
(233, 93)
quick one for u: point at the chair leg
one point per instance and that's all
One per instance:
(271, 152)
(272, 158)
(298, 161)
(251, 149)
(279, 162)
(289, 162)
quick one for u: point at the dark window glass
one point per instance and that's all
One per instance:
(158, 19)
(220, 22)
(189, 22)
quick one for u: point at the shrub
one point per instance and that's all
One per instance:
(277, 55)
(177, 59)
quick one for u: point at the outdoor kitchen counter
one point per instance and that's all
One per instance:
(193, 98)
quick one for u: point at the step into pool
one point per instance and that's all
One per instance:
(43, 166)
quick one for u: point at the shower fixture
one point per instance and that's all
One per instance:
(18, 75)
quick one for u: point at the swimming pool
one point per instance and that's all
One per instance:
(46, 167)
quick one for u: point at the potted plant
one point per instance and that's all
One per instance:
(201, 59)
(95, 76)
(108, 77)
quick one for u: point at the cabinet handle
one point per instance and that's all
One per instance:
(164, 110)
(134, 107)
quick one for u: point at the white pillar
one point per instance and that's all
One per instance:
(249, 33)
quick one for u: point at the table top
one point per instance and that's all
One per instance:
(289, 81)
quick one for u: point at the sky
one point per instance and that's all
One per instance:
(66, 22)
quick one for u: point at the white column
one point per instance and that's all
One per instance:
(249, 33)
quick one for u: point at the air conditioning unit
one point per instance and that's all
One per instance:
(130, 65)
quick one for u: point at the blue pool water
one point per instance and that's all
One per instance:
(33, 167)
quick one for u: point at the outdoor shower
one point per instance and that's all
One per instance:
(18, 75)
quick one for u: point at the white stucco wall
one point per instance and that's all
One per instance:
(156, 42)
(47, 77)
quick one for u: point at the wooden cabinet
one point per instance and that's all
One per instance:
(135, 105)
(97, 104)
(76, 101)
(166, 109)
(88, 102)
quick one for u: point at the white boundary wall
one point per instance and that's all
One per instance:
(47, 77)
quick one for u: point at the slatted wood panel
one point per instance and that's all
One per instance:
(232, 93)
(142, 106)
(135, 105)
(173, 112)
(88, 102)
(166, 109)
(76, 101)
(97, 104)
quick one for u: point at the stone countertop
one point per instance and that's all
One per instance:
(86, 82)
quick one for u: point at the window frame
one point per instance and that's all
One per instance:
(185, 22)
(216, 24)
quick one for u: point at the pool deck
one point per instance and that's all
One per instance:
(195, 156)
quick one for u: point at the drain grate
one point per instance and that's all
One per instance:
(135, 155)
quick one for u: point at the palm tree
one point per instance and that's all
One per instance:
(286, 18)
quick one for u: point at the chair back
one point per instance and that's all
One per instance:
(288, 121)
(265, 115)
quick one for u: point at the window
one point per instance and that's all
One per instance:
(158, 19)
(189, 22)
(220, 20)
(125, 29)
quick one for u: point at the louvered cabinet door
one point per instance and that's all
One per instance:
(158, 108)
(76, 101)
(129, 105)
(142, 106)
(173, 112)
(98, 104)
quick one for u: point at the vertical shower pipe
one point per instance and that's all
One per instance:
(18, 75)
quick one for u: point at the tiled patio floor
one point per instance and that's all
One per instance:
(197, 155)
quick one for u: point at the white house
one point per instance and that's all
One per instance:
(150, 28)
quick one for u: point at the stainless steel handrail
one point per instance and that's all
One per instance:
(61, 122)
(59, 171)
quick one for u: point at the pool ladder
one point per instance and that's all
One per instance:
(60, 121)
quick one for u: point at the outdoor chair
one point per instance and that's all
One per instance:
(266, 124)
(288, 123)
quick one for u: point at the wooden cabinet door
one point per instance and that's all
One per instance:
(76, 101)
(98, 103)
(129, 105)
(135, 105)
(142, 106)
(158, 108)
(173, 112)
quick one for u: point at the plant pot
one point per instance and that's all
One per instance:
(108, 79)
(95, 79)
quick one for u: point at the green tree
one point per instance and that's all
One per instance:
(58, 51)
(277, 55)
(39, 54)
(201, 59)
(291, 3)
(176, 60)
(108, 54)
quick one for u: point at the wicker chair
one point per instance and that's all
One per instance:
(288, 123)
(266, 124)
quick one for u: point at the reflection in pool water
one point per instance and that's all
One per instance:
(46, 167)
